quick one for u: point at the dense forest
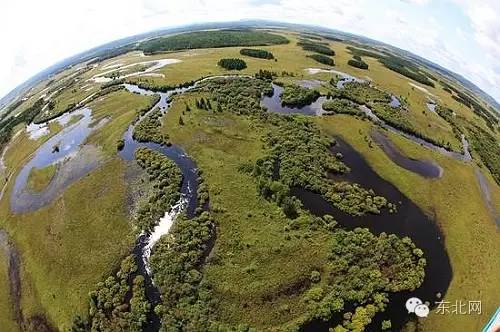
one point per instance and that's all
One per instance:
(211, 39)
(326, 60)
(257, 53)
(232, 64)
(317, 47)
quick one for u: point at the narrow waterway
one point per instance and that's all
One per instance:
(423, 168)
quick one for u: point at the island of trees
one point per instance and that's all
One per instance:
(257, 53)
(232, 64)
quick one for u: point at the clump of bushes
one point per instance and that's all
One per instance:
(148, 129)
(341, 106)
(166, 181)
(232, 64)
(322, 59)
(257, 53)
(297, 96)
(117, 304)
(358, 63)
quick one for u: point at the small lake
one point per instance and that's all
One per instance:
(409, 220)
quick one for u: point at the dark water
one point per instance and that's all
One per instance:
(421, 167)
(409, 221)
(188, 191)
(273, 104)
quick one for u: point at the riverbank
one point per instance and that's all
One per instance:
(470, 234)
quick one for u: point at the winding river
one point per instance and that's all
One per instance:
(408, 221)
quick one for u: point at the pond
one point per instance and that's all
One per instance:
(409, 220)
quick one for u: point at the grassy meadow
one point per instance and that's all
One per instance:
(79, 239)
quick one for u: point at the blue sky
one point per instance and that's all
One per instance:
(461, 35)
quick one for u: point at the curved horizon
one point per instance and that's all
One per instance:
(457, 36)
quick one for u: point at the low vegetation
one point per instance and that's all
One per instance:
(257, 53)
(39, 178)
(232, 64)
(397, 64)
(211, 39)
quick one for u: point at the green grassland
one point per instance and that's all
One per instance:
(70, 245)
(7, 320)
(256, 260)
(39, 178)
(455, 202)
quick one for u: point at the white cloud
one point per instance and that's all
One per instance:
(44, 32)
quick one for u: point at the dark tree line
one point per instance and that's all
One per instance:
(322, 59)
(257, 53)
(211, 39)
(312, 46)
(357, 63)
(232, 64)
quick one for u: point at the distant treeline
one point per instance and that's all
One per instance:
(397, 64)
(232, 64)
(257, 53)
(211, 39)
(322, 59)
(312, 46)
